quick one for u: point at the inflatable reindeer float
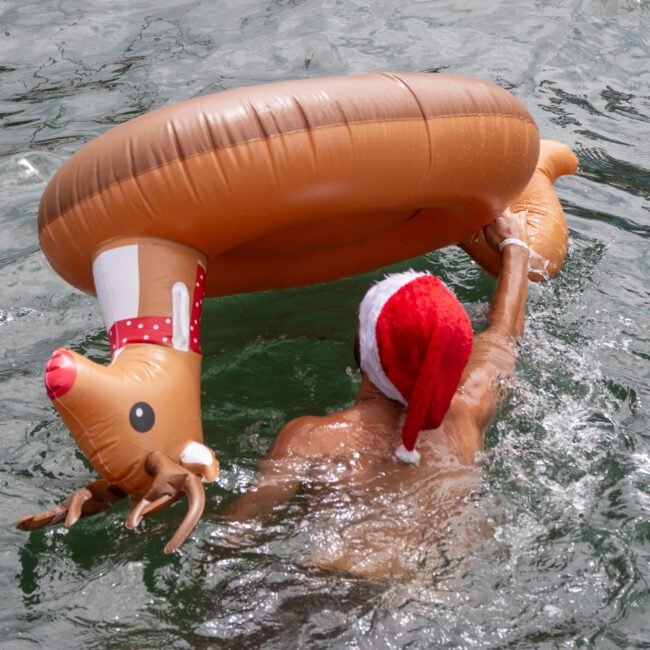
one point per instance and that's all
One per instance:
(261, 188)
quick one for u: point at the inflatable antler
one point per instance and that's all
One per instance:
(138, 420)
(85, 502)
(170, 481)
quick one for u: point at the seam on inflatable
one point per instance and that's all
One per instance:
(265, 138)
(421, 109)
(215, 148)
(178, 147)
(131, 158)
(285, 133)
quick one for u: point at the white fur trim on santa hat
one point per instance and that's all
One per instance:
(406, 456)
(369, 310)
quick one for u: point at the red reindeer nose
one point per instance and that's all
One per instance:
(60, 374)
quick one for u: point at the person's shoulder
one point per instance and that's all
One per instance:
(299, 426)
(295, 437)
(311, 435)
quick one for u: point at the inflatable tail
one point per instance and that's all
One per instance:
(547, 229)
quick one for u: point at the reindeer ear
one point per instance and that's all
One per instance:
(201, 460)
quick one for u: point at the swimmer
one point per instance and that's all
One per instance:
(392, 478)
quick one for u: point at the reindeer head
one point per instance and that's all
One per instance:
(138, 420)
(146, 401)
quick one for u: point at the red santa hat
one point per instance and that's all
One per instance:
(414, 341)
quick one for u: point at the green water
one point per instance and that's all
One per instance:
(566, 473)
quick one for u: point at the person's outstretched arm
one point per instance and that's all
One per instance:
(494, 353)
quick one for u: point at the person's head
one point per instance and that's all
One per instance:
(414, 342)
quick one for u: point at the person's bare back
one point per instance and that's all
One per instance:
(374, 516)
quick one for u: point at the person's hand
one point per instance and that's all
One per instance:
(506, 226)
(85, 502)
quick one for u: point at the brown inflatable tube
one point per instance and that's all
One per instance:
(297, 182)
(547, 229)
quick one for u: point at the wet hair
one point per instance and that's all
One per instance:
(356, 351)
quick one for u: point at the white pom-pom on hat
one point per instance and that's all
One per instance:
(406, 456)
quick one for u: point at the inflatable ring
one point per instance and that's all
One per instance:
(249, 189)
(297, 182)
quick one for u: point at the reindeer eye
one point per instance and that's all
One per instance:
(142, 417)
